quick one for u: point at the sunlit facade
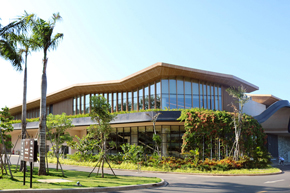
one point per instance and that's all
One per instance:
(173, 93)
(159, 86)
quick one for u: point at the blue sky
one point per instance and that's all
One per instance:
(111, 39)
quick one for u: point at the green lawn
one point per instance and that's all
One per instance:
(74, 176)
(130, 166)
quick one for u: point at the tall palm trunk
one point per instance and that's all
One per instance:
(42, 123)
(24, 111)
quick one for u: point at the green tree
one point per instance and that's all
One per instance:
(43, 38)
(5, 143)
(101, 115)
(84, 145)
(241, 98)
(57, 132)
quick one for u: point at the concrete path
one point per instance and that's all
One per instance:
(198, 183)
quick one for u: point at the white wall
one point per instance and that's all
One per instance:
(253, 108)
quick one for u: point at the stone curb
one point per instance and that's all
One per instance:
(205, 174)
(87, 190)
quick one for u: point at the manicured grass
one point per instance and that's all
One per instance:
(129, 166)
(74, 176)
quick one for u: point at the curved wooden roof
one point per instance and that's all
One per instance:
(154, 72)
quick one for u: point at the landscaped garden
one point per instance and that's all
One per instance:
(73, 176)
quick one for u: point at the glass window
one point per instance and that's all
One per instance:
(152, 96)
(134, 135)
(212, 97)
(174, 146)
(158, 95)
(195, 95)
(106, 96)
(77, 104)
(180, 94)
(74, 106)
(127, 135)
(119, 101)
(82, 104)
(216, 98)
(172, 97)
(208, 97)
(142, 139)
(87, 103)
(220, 99)
(187, 90)
(135, 100)
(114, 102)
(130, 101)
(204, 97)
(110, 101)
(146, 97)
(165, 96)
(124, 101)
(141, 100)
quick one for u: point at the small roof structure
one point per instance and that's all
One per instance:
(266, 99)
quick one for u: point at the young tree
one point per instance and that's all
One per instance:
(5, 128)
(156, 138)
(44, 40)
(100, 131)
(57, 133)
(241, 99)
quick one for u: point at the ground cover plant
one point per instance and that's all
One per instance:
(108, 181)
(172, 164)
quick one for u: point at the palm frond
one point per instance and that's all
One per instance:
(8, 52)
(55, 41)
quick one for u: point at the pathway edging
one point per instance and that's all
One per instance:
(87, 190)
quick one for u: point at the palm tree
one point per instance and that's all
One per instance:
(26, 45)
(44, 40)
(7, 47)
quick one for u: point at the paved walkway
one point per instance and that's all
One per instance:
(198, 183)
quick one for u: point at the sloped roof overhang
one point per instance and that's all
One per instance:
(266, 99)
(148, 75)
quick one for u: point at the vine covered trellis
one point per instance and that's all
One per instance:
(212, 133)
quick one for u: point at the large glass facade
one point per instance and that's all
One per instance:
(171, 93)
(171, 137)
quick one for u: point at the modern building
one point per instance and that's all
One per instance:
(159, 86)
